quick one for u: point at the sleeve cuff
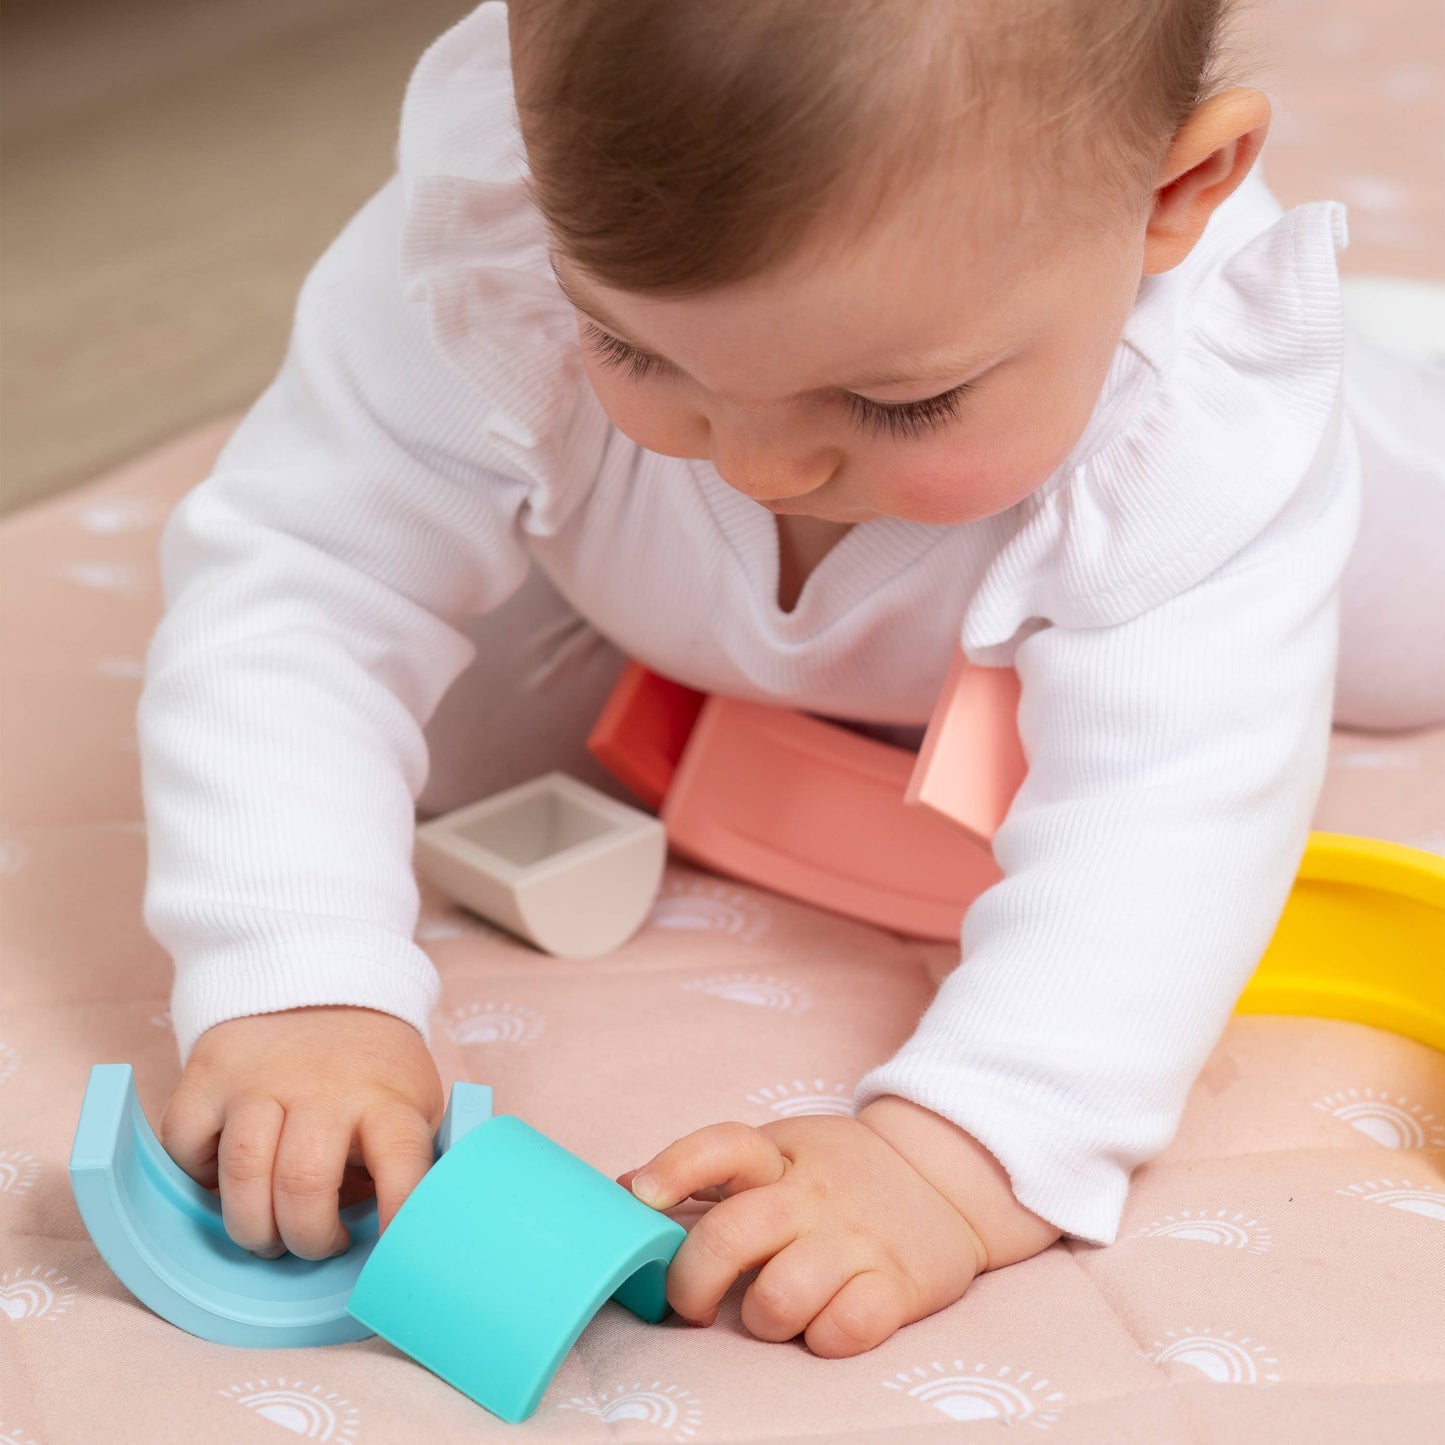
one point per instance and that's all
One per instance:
(238, 982)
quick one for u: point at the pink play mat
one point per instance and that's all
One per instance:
(1280, 1275)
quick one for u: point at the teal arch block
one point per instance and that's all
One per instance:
(501, 1256)
(164, 1237)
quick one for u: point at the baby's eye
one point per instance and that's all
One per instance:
(899, 419)
(613, 351)
(908, 418)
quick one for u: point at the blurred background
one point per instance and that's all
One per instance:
(170, 169)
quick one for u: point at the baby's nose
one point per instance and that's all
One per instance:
(772, 475)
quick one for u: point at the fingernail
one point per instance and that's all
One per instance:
(644, 1186)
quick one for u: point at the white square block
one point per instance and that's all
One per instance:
(554, 860)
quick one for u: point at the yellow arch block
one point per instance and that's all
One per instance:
(1362, 937)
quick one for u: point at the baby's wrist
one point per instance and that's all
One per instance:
(966, 1174)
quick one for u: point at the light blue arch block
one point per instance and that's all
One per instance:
(164, 1237)
(501, 1256)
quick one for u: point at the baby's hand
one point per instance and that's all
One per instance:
(853, 1239)
(280, 1110)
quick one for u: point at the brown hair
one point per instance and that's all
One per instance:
(678, 145)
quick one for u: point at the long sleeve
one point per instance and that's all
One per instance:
(1174, 760)
(370, 499)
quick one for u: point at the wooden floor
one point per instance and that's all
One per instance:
(171, 169)
(163, 199)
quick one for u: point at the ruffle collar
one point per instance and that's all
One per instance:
(474, 251)
(1219, 398)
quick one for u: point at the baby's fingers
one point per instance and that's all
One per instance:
(190, 1132)
(245, 1162)
(709, 1195)
(729, 1157)
(310, 1160)
(396, 1143)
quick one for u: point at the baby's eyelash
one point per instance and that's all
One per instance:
(907, 419)
(612, 351)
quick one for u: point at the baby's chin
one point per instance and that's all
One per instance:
(938, 509)
(851, 516)
(931, 514)
(842, 516)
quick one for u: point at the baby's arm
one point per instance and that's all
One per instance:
(1174, 761)
(313, 583)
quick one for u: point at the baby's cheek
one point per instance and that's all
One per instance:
(668, 430)
(961, 483)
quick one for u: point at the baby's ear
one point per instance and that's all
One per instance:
(1211, 153)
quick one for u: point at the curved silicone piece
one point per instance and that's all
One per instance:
(642, 730)
(501, 1256)
(163, 1235)
(816, 811)
(971, 762)
(1362, 937)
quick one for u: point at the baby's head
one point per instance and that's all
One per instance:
(782, 221)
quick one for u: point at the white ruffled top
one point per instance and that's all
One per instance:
(1169, 598)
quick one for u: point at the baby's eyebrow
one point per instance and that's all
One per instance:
(934, 371)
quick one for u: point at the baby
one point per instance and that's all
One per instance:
(798, 344)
